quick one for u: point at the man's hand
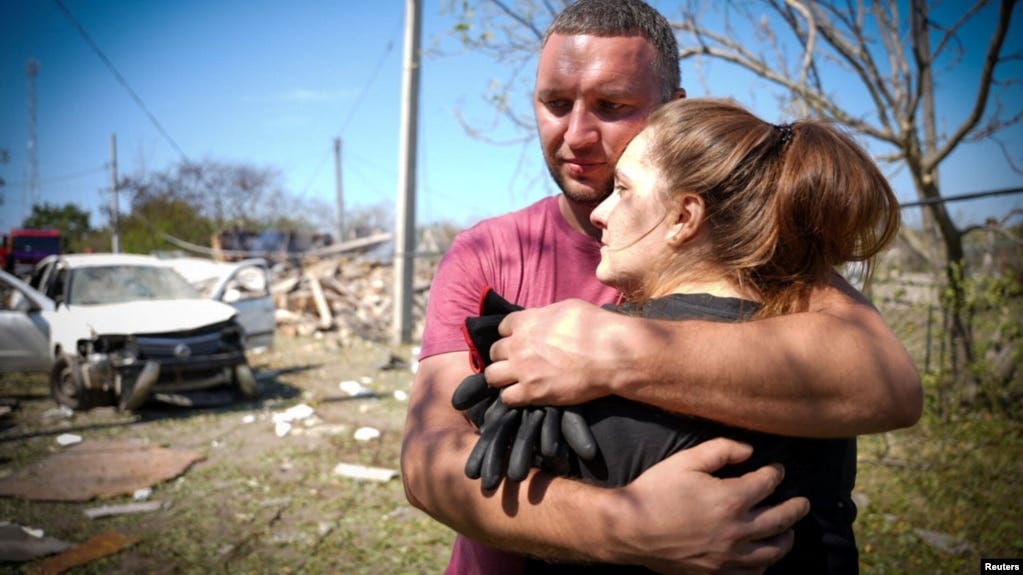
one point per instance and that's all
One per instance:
(687, 521)
(549, 355)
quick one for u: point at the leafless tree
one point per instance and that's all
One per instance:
(229, 194)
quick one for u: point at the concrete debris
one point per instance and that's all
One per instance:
(943, 541)
(66, 439)
(59, 412)
(353, 297)
(355, 389)
(19, 543)
(123, 509)
(283, 420)
(367, 434)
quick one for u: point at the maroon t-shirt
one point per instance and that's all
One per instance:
(532, 257)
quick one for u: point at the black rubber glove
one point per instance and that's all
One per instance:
(512, 439)
(489, 457)
(473, 395)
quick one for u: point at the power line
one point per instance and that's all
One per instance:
(366, 86)
(120, 79)
(355, 107)
(63, 177)
(973, 196)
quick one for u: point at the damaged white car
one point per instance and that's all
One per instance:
(119, 330)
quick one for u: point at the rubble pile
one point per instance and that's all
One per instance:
(352, 296)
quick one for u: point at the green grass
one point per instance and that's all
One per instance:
(962, 480)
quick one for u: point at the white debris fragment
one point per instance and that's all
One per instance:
(414, 364)
(294, 413)
(367, 433)
(66, 439)
(363, 472)
(60, 412)
(283, 419)
(249, 418)
(943, 542)
(124, 509)
(142, 494)
(400, 395)
(354, 388)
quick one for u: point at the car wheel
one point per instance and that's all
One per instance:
(66, 384)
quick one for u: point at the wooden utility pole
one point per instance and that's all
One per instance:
(339, 192)
(115, 216)
(405, 226)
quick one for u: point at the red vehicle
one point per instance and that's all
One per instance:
(24, 248)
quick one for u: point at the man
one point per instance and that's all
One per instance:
(604, 66)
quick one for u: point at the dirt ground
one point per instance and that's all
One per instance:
(265, 495)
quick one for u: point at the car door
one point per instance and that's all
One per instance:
(247, 288)
(25, 317)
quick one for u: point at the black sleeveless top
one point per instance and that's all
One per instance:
(632, 437)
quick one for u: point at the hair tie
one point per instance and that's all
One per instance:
(784, 132)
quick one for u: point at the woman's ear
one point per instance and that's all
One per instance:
(689, 216)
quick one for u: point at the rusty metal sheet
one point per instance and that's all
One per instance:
(97, 469)
(106, 543)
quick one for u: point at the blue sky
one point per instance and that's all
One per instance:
(273, 83)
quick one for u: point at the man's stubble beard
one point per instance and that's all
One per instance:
(585, 199)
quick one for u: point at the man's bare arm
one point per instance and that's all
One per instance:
(675, 511)
(837, 370)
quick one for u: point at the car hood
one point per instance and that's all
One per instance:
(141, 317)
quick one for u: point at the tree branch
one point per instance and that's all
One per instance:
(858, 57)
(525, 22)
(811, 39)
(724, 48)
(983, 87)
(952, 31)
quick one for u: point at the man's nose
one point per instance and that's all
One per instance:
(583, 128)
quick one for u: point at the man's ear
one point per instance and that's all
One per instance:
(678, 94)
(689, 216)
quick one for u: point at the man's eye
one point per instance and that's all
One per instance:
(558, 106)
(612, 106)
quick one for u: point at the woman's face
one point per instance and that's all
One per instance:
(634, 222)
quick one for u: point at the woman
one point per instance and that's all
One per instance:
(716, 214)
